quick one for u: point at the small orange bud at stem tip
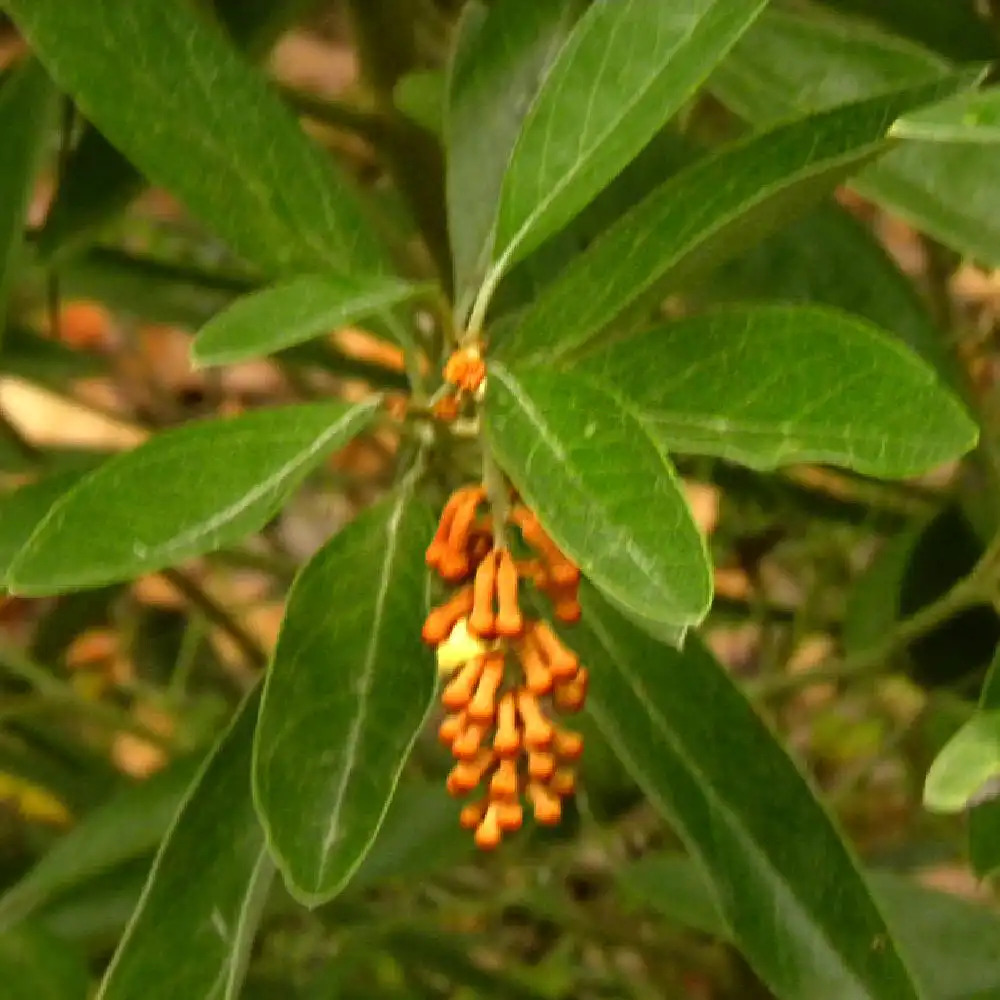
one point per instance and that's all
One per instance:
(571, 695)
(561, 661)
(466, 744)
(466, 774)
(504, 783)
(489, 833)
(541, 765)
(451, 727)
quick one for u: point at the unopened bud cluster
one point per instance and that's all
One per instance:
(507, 671)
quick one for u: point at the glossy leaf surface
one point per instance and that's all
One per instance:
(743, 809)
(625, 70)
(106, 529)
(604, 489)
(347, 691)
(501, 57)
(708, 212)
(969, 762)
(165, 86)
(772, 385)
(967, 118)
(192, 931)
(292, 313)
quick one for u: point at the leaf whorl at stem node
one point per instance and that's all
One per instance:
(507, 669)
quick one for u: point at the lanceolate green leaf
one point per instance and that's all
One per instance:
(192, 931)
(947, 190)
(708, 212)
(829, 257)
(626, 69)
(164, 85)
(603, 488)
(771, 385)
(97, 182)
(966, 118)
(292, 313)
(185, 492)
(984, 819)
(783, 879)
(969, 762)
(27, 100)
(346, 694)
(501, 58)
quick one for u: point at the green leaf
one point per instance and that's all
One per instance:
(743, 809)
(969, 761)
(831, 258)
(710, 211)
(98, 183)
(501, 57)
(215, 482)
(27, 101)
(347, 691)
(967, 118)
(603, 488)
(984, 818)
(948, 191)
(36, 966)
(627, 68)
(954, 944)
(421, 97)
(192, 931)
(771, 385)
(22, 509)
(292, 313)
(127, 826)
(165, 87)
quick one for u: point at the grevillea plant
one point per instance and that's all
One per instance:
(587, 255)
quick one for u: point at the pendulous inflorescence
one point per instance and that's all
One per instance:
(508, 671)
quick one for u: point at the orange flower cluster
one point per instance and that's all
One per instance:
(465, 372)
(508, 668)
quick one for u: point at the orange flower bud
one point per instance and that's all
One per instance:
(472, 815)
(508, 623)
(537, 729)
(537, 676)
(442, 619)
(445, 409)
(541, 765)
(458, 692)
(567, 745)
(561, 661)
(510, 815)
(467, 743)
(569, 696)
(439, 545)
(507, 739)
(488, 833)
(563, 782)
(568, 610)
(482, 621)
(451, 727)
(545, 803)
(466, 774)
(482, 707)
(504, 784)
